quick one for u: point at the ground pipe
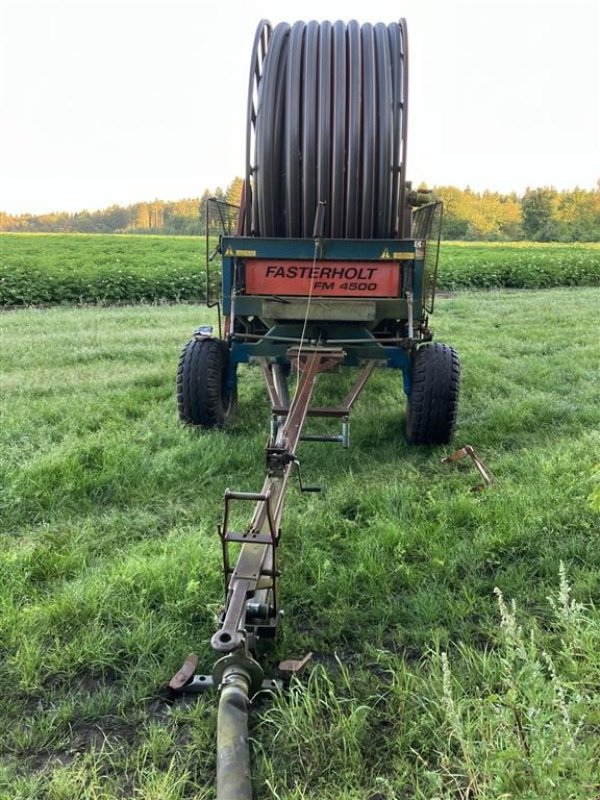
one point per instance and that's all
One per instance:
(233, 750)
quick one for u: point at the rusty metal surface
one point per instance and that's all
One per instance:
(185, 674)
(232, 635)
(292, 666)
(281, 384)
(359, 385)
(345, 406)
(309, 368)
(255, 573)
(468, 452)
(274, 395)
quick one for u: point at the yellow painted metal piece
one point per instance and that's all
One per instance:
(245, 253)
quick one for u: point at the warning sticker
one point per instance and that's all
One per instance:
(323, 279)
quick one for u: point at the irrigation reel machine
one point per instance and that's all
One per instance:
(332, 265)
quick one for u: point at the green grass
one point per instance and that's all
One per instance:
(426, 683)
(40, 269)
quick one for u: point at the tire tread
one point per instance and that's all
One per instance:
(199, 383)
(433, 403)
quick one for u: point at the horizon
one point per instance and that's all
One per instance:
(91, 210)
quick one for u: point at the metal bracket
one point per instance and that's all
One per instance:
(203, 332)
(343, 438)
(303, 486)
(293, 666)
(467, 450)
(277, 459)
(186, 681)
(206, 683)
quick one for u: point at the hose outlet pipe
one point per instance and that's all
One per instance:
(238, 678)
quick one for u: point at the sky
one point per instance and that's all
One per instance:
(117, 101)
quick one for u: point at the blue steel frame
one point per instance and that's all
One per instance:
(409, 254)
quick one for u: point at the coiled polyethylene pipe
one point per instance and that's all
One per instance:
(326, 122)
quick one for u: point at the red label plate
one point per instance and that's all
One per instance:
(323, 278)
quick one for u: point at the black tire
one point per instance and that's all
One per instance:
(202, 395)
(433, 402)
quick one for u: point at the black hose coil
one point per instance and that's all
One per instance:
(327, 120)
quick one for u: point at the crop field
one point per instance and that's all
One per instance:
(97, 268)
(520, 265)
(456, 635)
(53, 268)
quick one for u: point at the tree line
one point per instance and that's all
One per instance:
(541, 214)
(179, 217)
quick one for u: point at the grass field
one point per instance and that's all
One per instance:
(55, 268)
(427, 681)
